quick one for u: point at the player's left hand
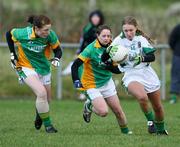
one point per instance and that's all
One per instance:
(13, 60)
(78, 84)
(55, 62)
(137, 60)
(108, 49)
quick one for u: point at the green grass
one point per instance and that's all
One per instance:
(17, 129)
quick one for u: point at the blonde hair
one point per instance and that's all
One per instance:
(132, 21)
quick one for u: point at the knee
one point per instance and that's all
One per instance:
(42, 94)
(143, 99)
(103, 112)
(158, 108)
(120, 115)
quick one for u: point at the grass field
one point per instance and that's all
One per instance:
(16, 129)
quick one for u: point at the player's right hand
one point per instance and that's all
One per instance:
(108, 49)
(13, 60)
(55, 62)
(132, 56)
(78, 84)
(137, 60)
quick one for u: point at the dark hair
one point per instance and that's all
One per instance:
(38, 20)
(102, 27)
(132, 21)
(98, 13)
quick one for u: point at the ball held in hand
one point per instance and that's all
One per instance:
(118, 53)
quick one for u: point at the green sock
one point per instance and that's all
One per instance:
(160, 126)
(46, 119)
(149, 116)
(124, 129)
(173, 97)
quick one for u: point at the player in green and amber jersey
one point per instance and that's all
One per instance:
(92, 72)
(32, 65)
(93, 76)
(32, 50)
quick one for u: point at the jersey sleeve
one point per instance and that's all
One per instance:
(53, 40)
(85, 55)
(146, 46)
(16, 35)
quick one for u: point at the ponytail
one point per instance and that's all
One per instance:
(38, 20)
(140, 32)
(30, 19)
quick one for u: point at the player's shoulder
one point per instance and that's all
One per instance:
(177, 27)
(21, 32)
(140, 38)
(90, 48)
(87, 27)
(52, 33)
(118, 40)
(92, 45)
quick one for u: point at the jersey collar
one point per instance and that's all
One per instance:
(97, 44)
(33, 35)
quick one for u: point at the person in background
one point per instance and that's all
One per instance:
(31, 62)
(139, 78)
(94, 77)
(174, 42)
(96, 19)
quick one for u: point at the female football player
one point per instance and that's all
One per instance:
(139, 78)
(32, 64)
(93, 76)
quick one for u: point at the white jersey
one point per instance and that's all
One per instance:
(138, 46)
(142, 73)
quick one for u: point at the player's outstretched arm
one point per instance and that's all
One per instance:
(10, 43)
(57, 56)
(74, 72)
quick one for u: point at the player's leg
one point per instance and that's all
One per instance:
(42, 105)
(155, 99)
(38, 120)
(46, 80)
(175, 80)
(94, 103)
(137, 90)
(114, 104)
(99, 106)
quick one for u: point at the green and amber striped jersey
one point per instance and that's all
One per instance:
(34, 52)
(93, 73)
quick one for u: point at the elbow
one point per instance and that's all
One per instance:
(153, 58)
(72, 67)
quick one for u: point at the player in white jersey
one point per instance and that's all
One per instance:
(139, 78)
